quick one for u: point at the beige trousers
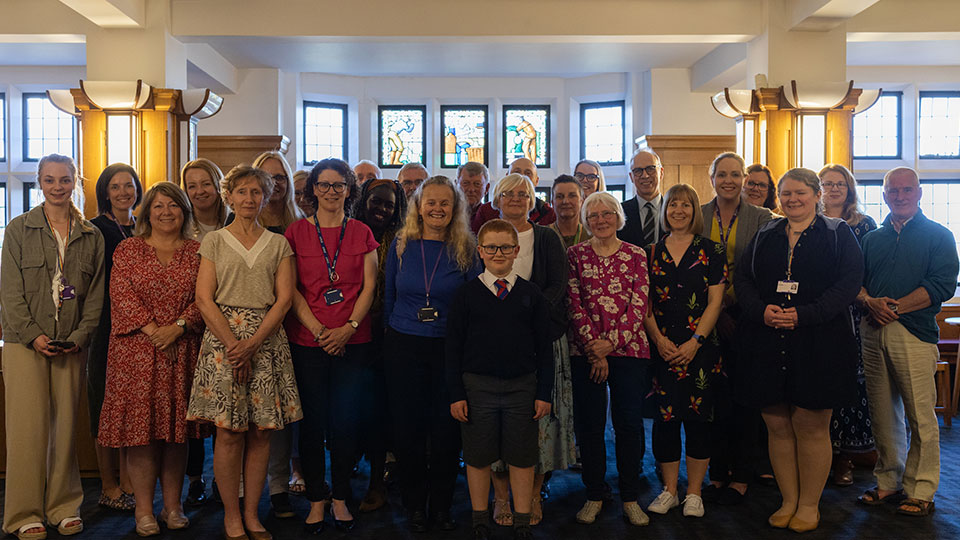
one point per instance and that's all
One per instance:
(900, 369)
(42, 398)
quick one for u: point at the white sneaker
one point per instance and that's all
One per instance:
(634, 515)
(693, 505)
(588, 514)
(664, 502)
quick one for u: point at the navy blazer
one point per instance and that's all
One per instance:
(632, 231)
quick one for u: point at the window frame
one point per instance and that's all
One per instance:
(503, 135)
(933, 94)
(584, 107)
(26, 187)
(3, 127)
(346, 130)
(25, 141)
(380, 109)
(486, 130)
(618, 188)
(899, 95)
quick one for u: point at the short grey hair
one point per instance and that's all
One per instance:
(511, 182)
(411, 166)
(643, 151)
(602, 198)
(372, 164)
(473, 169)
(891, 172)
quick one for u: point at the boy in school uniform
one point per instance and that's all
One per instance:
(499, 374)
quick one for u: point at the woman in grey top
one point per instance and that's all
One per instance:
(52, 294)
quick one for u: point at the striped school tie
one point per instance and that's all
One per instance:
(501, 285)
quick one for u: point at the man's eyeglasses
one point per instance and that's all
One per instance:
(338, 187)
(589, 177)
(650, 170)
(517, 195)
(492, 249)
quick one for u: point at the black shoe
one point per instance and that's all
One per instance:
(526, 533)
(444, 521)
(282, 509)
(345, 524)
(729, 496)
(196, 493)
(481, 532)
(710, 493)
(315, 529)
(417, 522)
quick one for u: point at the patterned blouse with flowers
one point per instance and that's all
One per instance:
(679, 298)
(608, 299)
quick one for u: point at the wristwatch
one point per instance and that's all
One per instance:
(700, 339)
(182, 324)
(353, 324)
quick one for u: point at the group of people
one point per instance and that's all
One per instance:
(286, 314)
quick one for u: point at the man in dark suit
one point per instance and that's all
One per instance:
(643, 211)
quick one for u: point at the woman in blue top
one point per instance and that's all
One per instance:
(433, 255)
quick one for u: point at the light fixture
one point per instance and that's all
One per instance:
(200, 103)
(121, 143)
(746, 134)
(110, 95)
(733, 103)
(811, 140)
(63, 100)
(820, 95)
(867, 99)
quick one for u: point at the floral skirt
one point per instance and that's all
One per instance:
(558, 448)
(268, 399)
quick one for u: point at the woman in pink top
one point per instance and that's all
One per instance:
(608, 346)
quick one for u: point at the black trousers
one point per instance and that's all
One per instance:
(666, 440)
(196, 454)
(426, 438)
(590, 421)
(331, 393)
(374, 439)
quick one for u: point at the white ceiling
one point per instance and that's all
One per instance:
(43, 54)
(904, 53)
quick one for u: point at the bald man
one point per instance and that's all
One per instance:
(366, 170)
(542, 213)
(643, 225)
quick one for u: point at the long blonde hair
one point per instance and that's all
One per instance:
(291, 212)
(77, 198)
(461, 244)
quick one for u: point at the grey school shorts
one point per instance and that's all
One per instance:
(501, 424)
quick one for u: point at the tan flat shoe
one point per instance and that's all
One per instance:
(175, 520)
(148, 526)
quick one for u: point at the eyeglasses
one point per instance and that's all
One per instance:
(517, 195)
(591, 177)
(756, 185)
(605, 215)
(831, 185)
(280, 177)
(338, 187)
(492, 250)
(650, 170)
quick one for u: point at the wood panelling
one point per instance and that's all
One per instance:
(839, 132)
(686, 158)
(228, 151)
(93, 159)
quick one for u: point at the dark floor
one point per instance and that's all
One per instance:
(842, 518)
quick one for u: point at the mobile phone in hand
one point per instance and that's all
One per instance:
(62, 345)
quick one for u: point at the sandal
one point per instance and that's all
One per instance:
(871, 497)
(915, 507)
(124, 501)
(536, 510)
(70, 525)
(502, 514)
(40, 534)
(297, 486)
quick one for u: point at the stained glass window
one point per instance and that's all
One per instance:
(526, 133)
(601, 132)
(876, 131)
(939, 124)
(3, 130)
(464, 132)
(47, 129)
(403, 135)
(324, 131)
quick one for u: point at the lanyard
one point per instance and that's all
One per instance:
(576, 239)
(733, 220)
(331, 265)
(123, 231)
(59, 258)
(427, 283)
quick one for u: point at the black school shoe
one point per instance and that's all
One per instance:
(444, 521)
(282, 509)
(196, 493)
(417, 522)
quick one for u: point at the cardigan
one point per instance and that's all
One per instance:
(550, 274)
(506, 338)
(749, 220)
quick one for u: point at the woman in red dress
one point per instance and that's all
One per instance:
(154, 344)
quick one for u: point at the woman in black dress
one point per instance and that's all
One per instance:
(118, 194)
(798, 351)
(687, 278)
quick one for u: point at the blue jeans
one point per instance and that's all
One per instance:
(626, 379)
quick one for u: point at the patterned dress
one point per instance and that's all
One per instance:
(245, 285)
(678, 299)
(850, 429)
(147, 389)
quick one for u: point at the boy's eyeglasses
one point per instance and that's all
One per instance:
(492, 250)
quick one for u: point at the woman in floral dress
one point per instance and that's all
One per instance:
(244, 383)
(687, 276)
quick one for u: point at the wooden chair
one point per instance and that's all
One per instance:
(944, 403)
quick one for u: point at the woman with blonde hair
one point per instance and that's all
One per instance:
(542, 260)
(52, 294)
(433, 255)
(850, 428)
(200, 179)
(281, 209)
(154, 341)
(590, 175)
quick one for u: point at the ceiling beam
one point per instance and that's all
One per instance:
(726, 65)
(208, 60)
(111, 13)
(822, 15)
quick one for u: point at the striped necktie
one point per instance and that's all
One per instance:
(501, 285)
(648, 225)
